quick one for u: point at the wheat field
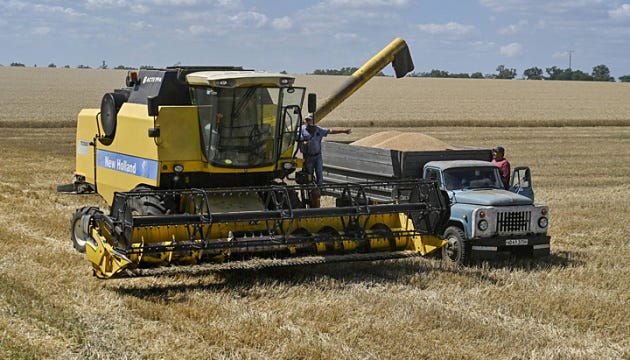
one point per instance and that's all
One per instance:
(573, 305)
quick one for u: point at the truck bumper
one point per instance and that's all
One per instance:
(490, 248)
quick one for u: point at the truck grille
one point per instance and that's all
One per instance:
(511, 222)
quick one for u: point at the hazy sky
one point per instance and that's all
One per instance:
(301, 36)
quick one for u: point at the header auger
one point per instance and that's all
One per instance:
(193, 163)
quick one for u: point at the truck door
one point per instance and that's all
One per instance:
(522, 182)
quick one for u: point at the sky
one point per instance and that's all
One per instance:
(302, 36)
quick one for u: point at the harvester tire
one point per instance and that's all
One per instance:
(78, 233)
(110, 104)
(457, 249)
(148, 204)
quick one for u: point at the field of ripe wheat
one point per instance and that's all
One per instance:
(35, 96)
(573, 305)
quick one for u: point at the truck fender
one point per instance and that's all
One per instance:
(458, 223)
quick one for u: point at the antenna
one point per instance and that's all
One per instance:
(570, 52)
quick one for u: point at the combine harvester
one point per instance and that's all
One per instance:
(192, 162)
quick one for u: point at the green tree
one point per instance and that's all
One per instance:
(580, 75)
(342, 71)
(435, 73)
(476, 75)
(52, 65)
(533, 73)
(602, 73)
(505, 73)
(624, 78)
(556, 73)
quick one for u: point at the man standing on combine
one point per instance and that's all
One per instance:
(311, 146)
(498, 158)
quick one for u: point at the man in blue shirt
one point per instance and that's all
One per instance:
(311, 146)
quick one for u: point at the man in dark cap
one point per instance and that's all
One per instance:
(498, 158)
(311, 146)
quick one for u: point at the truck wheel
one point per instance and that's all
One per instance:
(457, 249)
(78, 235)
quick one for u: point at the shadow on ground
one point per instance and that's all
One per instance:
(416, 272)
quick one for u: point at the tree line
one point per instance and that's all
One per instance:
(599, 73)
(102, 66)
(342, 71)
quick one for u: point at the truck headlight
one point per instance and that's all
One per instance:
(543, 222)
(178, 168)
(482, 225)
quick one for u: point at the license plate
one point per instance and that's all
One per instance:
(515, 242)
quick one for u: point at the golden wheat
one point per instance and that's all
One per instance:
(574, 305)
(54, 97)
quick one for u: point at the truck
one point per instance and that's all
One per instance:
(486, 220)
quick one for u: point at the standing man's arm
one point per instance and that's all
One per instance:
(340, 131)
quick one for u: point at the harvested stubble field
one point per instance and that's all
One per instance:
(574, 305)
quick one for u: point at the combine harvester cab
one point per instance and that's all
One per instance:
(192, 162)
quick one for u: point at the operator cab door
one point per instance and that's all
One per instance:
(522, 182)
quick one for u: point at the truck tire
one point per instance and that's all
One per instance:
(457, 249)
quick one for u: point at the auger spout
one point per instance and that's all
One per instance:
(397, 53)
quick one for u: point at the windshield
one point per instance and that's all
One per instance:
(239, 126)
(472, 178)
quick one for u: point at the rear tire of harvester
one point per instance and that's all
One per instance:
(78, 234)
(457, 249)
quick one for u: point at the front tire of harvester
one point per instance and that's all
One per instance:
(457, 249)
(78, 235)
(147, 204)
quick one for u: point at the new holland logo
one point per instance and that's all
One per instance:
(127, 164)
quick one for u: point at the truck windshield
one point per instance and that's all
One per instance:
(472, 178)
(239, 127)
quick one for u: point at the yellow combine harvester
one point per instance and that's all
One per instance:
(192, 162)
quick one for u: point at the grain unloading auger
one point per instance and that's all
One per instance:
(192, 163)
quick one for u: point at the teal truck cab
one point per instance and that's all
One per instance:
(486, 220)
